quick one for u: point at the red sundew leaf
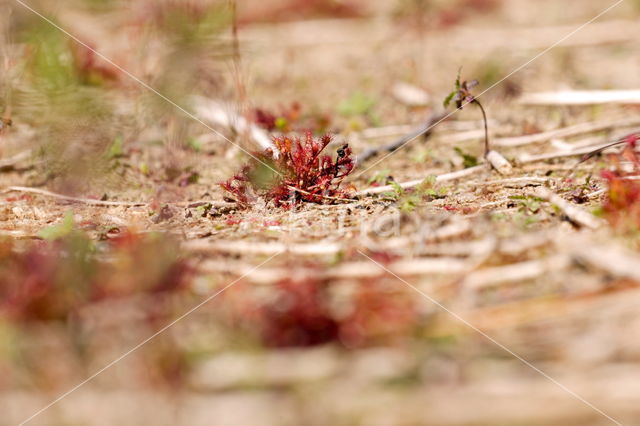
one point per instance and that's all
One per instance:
(622, 204)
(300, 312)
(264, 119)
(297, 314)
(23, 197)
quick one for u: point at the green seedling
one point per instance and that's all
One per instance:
(528, 203)
(116, 150)
(380, 178)
(60, 230)
(468, 160)
(462, 96)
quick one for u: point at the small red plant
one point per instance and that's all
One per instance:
(303, 312)
(289, 119)
(282, 120)
(622, 205)
(291, 10)
(297, 315)
(51, 280)
(299, 173)
(379, 313)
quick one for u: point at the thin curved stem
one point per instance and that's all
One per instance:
(486, 127)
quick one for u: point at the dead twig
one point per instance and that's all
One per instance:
(12, 161)
(70, 198)
(354, 269)
(582, 97)
(587, 152)
(516, 182)
(262, 248)
(93, 202)
(425, 130)
(575, 130)
(610, 258)
(326, 197)
(516, 272)
(574, 213)
(220, 114)
(413, 183)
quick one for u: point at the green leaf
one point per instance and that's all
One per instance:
(194, 144)
(116, 149)
(449, 98)
(429, 181)
(281, 123)
(397, 188)
(357, 104)
(458, 84)
(59, 230)
(468, 160)
(427, 187)
(409, 204)
(204, 209)
(380, 177)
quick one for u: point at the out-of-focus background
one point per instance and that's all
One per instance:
(120, 119)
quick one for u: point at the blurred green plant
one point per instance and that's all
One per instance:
(74, 119)
(67, 271)
(461, 96)
(358, 104)
(51, 285)
(468, 160)
(59, 230)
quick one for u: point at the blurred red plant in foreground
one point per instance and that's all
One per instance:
(50, 280)
(291, 10)
(300, 173)
(282, 120)
(291, 119)
(622, 205)
(308, 311)
(443, 14)
(77, 292)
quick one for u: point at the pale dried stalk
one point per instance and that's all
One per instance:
(347, 270)
(516, 182)
(12, 161)
(413, 183)
(615, 260)
(464, 130)
(516, 272)
(575, 130)
(74, 199)
(574, 213)
(509, 247)
(262, 248)
(528, 158)
(582, 97)
(92, 202)
(498, 162)
(220, 114)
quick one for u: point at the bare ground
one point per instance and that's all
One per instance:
(497, 251)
